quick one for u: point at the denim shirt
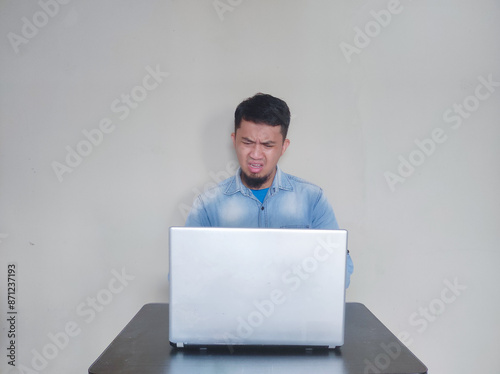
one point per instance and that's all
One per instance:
(291, 202)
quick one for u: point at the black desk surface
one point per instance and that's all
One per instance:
(143, 347)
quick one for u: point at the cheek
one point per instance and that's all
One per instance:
(240, 153)
(274, 155)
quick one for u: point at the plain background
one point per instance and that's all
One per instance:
(354, 120)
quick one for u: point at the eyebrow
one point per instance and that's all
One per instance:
(269, 142)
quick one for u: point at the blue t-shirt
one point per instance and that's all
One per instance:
(260, 194)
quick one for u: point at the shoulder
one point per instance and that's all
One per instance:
(301, 183)
(206, 204)
(213, 191)
(303, 188)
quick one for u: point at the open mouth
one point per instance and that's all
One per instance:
(255, 168)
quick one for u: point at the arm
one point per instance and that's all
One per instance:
(198, 216)
(324, 218)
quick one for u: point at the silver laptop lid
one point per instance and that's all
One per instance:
(233, 286)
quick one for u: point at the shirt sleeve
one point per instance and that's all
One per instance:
(349, 270)
(198, 216)
(324, 218)
(323, 215)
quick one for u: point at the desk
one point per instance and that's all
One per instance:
(143, 347)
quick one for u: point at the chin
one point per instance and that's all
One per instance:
(254, 180)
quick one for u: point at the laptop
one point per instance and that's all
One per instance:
(257, 287)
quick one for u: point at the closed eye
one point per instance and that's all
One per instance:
(268, 145)
(247, 141)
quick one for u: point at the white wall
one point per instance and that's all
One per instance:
(354, 114)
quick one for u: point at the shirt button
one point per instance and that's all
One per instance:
(262, 208)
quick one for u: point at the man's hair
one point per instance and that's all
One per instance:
(263, 109)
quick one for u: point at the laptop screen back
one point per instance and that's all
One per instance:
(231, 286)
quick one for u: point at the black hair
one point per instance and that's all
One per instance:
(263, 109)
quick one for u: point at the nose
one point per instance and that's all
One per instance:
(256, 152)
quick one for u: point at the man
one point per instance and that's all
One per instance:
(261, 194)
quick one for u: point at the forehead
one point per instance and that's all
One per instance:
(260, 131)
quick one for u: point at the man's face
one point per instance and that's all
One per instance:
(258, 148)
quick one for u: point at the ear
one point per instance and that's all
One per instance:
(233, 136)
(285, 145)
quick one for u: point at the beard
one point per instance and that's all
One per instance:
(254, 182)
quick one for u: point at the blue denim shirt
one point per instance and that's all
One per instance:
(291, 202)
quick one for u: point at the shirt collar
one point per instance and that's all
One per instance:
(280, 182)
